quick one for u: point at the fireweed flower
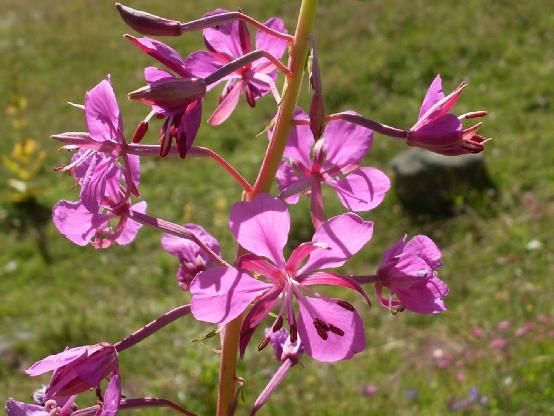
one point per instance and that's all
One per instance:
(408, 270)
(440, 131)
(79, 369)
(182, 111)
(330, 329)
(335, 161)
(228, 42)
(192, 258)
(96, 163)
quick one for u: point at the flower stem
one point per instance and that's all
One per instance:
(176, 230)
(242, 61)
(283, 125)
(198, 151)
(152, 327)
(369, 124)
(137, 403)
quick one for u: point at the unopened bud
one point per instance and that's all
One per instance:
(148, 24)
(170, 93)
(317, 116)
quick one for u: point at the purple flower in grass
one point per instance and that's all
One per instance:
(330, 328)
(408, 270)
(192, 258)
(228, 42)
(440, 131)
(79, 369)
(95, 164)
(183, 111)
(335, 161)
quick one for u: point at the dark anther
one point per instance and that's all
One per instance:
(293, 334)
(278, 324)
(344, 304)
(264, 343)
(336, 330)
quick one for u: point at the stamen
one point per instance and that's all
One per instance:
(278, 324)
(264, 343)
(321, 323)
(336, 330)
(140, 132)
(50, 405)
(344, 304)
(293, 333)
(321, 329)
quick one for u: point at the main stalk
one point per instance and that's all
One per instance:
(297, 57)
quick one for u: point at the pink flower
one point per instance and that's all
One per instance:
(95, 166)
(370, 390)
(498, 343)
(192, 258)
(77, 369)
(440, 131)
(330, 329)
(182, 117)
(336, 163)
(228, 42)
(408, 270)
(81, 226)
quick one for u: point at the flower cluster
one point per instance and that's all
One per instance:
(306, 150)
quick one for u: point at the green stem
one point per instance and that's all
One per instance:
(283, 125)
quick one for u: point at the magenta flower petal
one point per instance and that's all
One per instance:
(269, 43)
(76, 222)
(326, 278)
(203, 63)
(93, 185)
(423, 247)
(15, 408)
(163, 53)
(153, 74)
(259, 265)
(228, 105)
(190, 122)
(335, 347)
(290, 184)
(262, 226)
(134, 167)
(433, 96)
(187, 250)
(221, 294)
(300, 142)
(345, 235)
(346, 143)
(299, 254)
(424, 297)
(53, 362)
(363, 189)
(443, 131)
(102, 113)
(131, 228)
(258, 312)
(112, 397)
(224, 39)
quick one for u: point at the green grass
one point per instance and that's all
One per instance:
(378, 58)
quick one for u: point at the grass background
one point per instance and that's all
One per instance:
(378, 58)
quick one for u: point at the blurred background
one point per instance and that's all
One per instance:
(491, 353)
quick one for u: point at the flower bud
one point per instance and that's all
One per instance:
(170, 93)
(148, 24)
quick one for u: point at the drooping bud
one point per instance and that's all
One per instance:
(140, 132)
(148, 24)
(170, 93)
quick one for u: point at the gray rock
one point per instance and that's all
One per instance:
(429, 183)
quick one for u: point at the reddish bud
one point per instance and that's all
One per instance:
(140, 132)
(170, 93)
(148, 24)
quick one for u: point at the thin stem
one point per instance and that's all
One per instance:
(283, 125)
(152, 327)
(150, 24)
(154, 150)
(244, 60)
(136, 404)
(176, 230)
(218, 19)
(369, 124)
